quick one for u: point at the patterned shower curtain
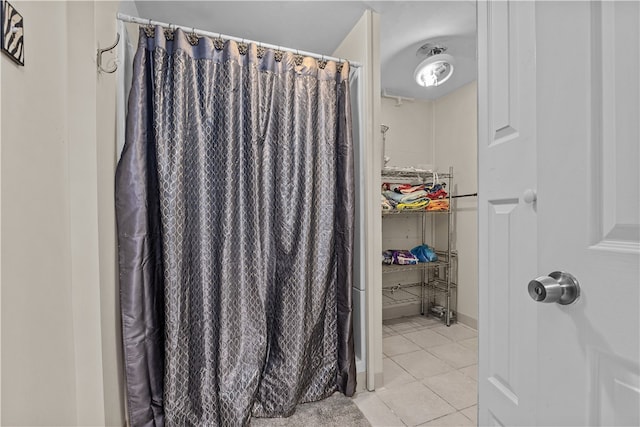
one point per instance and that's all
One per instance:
(235, 210)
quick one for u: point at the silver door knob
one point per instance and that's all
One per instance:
(558, 287)
(529, 196)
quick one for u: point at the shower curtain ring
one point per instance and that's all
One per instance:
(169, 32)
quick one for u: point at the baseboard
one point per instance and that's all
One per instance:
(413, 309)
(361, 381)
(467, 320)
(398, 311)
(379, 380)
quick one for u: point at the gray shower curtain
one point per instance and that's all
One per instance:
(235, 211)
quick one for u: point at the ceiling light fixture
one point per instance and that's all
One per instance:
(436, 69)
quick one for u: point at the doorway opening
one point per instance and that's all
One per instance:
(429, 130)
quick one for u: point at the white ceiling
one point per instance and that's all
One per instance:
(320, 26)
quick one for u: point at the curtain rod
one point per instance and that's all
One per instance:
(141, 21)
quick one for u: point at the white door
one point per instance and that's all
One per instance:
(559, 107)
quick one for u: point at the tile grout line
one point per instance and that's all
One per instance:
(421, 381)
(455, 369)
(448, 363)
(391, 410)
(443, 416)
(402, 367)
(464, 415)
(441, 397)
(417, 328)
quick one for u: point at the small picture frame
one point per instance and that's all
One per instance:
(12, 32)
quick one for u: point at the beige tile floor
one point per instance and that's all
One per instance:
(430, 374)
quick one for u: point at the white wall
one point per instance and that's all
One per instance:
(455, 125)
(61, 362)
(38, 373)
(409, 140)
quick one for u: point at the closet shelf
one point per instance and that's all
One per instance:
(414, 175)
(401, 294)
(437, 291)
(440, 285)
(410, 212)
(395, 268)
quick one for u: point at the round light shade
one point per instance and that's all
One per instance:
(434, 70)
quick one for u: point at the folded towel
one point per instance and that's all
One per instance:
(386, 205)
(405, 198)
(438, 205)
(417, 205)
(410, 189)
(433, 186)
(438, 194)
(404, 188)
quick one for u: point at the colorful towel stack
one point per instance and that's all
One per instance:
(413, 197)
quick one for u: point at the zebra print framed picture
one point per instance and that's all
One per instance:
(12, 32)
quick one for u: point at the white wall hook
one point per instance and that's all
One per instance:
(99, 57)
